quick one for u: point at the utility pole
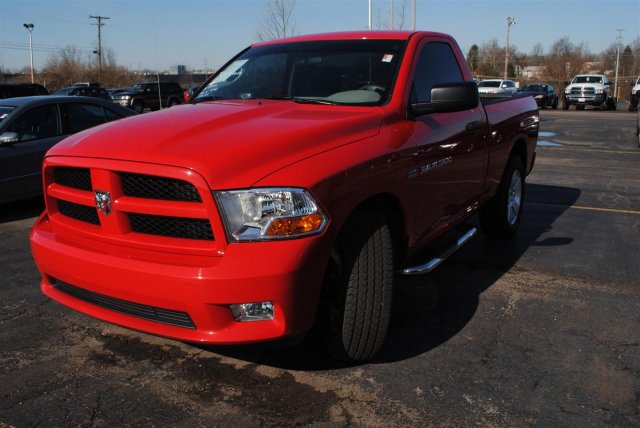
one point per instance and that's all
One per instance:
(392, 15)
(29, 28)
(414, 15)
(615, 90)
(510, 22)
(99, 23)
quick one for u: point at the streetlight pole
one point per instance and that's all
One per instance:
(510, 22)
(29, 28)
(615, 90)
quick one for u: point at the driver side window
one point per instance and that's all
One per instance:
(436, 64)
(39, 122)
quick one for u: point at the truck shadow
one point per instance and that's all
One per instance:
(429, 310)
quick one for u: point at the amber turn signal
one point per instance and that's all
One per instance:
(295, 225)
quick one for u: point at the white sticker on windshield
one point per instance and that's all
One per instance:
(387, 58)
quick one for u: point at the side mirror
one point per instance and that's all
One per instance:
(449, 97)
(566, 83)
(8, 138)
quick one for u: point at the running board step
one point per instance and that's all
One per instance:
(435, 262)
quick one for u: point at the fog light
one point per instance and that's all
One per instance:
(259, 311)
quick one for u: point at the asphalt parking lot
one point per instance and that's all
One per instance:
(540, 330)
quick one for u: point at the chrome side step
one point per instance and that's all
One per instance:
(435, 262)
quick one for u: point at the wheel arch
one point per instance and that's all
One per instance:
(391, 208)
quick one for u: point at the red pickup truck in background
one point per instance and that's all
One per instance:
(301, 179)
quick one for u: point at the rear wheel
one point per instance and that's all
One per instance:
(555, 103)
(500, 217)
(358, 289)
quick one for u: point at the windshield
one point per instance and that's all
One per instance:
(489, 84)
(350, 72)
(587, 79)
(534, 88)
(4, 111)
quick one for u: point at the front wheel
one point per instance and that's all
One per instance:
(500, 216)
(565, 105)
(138, 106)
(358, 288)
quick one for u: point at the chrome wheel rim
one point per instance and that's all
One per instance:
(514, 198)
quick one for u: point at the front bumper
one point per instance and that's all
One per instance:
(585, 99)
(178, 288)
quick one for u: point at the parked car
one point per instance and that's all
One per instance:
(638, 129)
(12, 90)
(39, 89)
(588, 89)
(497, 86)
(29, 126)
(545, 94)
(114, 91)
(634, 98)
(145, 95)
(84, 91)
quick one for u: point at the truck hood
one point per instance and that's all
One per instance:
(232, 144)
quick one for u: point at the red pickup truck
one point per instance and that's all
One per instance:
(301, 179)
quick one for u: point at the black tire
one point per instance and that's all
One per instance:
(605, 103)
(138, 106)
(358, 289)
(173, 102)
(543, 104)
(555, 104)
(500, 217)
(565, 105)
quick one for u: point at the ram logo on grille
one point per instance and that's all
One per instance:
(103, 201)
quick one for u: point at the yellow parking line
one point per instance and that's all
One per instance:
(610, 210)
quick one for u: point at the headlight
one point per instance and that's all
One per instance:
(599, 91)
(567, 91)
(270, 213)
(539, 97)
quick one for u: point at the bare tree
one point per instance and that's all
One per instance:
(491, 59)
(566, 59)
(276, 20)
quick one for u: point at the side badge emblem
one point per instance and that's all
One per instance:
(103, 202)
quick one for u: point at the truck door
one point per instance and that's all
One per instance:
(451, 149)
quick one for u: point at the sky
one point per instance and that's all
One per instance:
(203, 34)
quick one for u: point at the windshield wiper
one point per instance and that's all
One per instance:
(313, 101)
(208, 98)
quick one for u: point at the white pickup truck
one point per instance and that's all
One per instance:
(588, 89)
(635, 95)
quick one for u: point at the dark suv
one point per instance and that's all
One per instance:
(145, 95)
(13, 90)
